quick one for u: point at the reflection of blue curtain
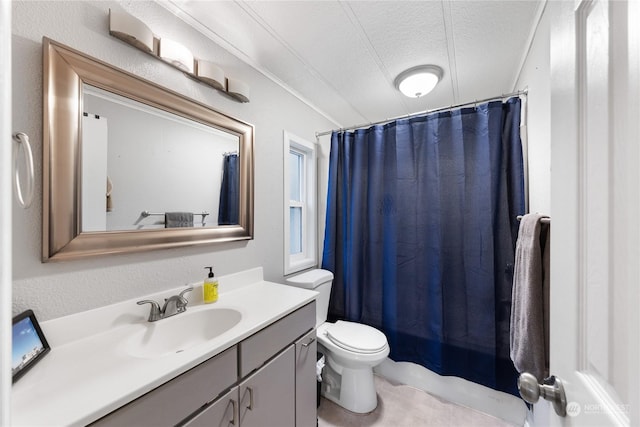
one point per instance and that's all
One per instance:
(229, 192)
(420, 234)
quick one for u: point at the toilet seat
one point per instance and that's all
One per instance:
(356, 337)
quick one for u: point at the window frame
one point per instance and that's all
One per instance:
(308, 188)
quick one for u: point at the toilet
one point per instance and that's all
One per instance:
(351, 349)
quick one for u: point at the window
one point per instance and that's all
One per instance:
(299, 204)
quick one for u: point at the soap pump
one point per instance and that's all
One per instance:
(210, 288)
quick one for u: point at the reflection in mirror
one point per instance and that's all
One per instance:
(112, 186)
(139, 162)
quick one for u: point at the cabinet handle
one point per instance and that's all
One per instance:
(309, 343)
(233, 408)
(250, 407)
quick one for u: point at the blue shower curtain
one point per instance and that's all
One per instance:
(420, 235)
(228, 211)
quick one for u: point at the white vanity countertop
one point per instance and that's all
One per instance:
(88, 373)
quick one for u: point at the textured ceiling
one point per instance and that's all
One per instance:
(342, 57)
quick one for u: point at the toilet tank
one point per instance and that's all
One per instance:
(320, 281)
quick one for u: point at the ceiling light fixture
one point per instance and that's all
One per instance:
(418, 81)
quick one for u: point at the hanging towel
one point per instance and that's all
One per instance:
(178, 219)
(529, 316)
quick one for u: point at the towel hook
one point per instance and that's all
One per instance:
(25, 199)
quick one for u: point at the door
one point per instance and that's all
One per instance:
(595, 210)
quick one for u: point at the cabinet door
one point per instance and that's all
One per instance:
(221, 413)
(267, 397)
(306, 383)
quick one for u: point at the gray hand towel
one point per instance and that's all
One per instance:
(178, 219)
(528, 312)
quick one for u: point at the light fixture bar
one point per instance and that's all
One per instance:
(135, 33)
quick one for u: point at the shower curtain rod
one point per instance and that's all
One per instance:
(407, 116)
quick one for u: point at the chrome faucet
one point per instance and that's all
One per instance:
(175, 304)
(172, 306)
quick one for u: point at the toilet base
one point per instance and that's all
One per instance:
(354, 389)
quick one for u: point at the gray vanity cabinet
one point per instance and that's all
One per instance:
(266, 380)
(278, 387)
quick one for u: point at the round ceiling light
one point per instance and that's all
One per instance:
(418, 81)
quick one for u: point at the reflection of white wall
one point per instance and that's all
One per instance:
(94, 173)
(160, 164)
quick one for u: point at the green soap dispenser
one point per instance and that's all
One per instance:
(210, 288)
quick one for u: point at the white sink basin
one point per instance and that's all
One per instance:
(180, 332)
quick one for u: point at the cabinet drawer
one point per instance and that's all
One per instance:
(173, 401)
(260, 347)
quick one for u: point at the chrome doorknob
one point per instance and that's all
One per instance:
(552, 390)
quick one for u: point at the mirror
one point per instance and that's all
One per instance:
(150, 162)
(146, 168)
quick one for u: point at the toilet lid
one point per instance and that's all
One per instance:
(356, 337)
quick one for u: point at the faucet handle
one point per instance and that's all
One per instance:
(155, 313)
(181, 303)
(189, 289)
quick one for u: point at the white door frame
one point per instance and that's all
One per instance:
(6, 205)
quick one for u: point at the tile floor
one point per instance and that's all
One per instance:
(405, 406)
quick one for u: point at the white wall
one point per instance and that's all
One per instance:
(535, 77)
(57, 289)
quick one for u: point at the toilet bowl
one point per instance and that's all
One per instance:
(351, 350)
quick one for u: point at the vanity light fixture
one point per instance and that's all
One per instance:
(131, 30)
(238, 90)
(176, 54)
(418, 81)
(211, 74)
(134, 32)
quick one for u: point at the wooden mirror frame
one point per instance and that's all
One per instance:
(65, 72)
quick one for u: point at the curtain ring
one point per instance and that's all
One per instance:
(25, 199)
